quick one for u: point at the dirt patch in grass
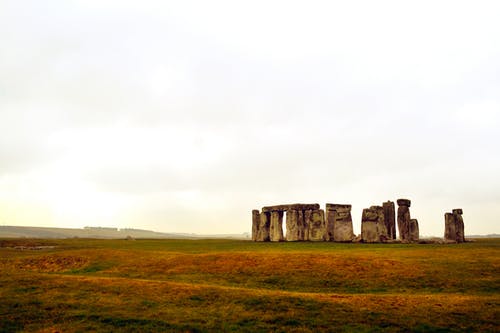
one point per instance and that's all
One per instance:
(52, 263)
(26, 244)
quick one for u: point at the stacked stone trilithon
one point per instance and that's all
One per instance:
(339, 223)
(408, 227)
(303, 222)
(454, 226)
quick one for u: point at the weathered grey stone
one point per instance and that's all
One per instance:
(414, 232)
(404, 202)
(459, 225)
(329, 224)
(404, 219)
(301, 225)
(454, 226)
(369, 231)
(297, 206)
(450, 232)
(390, 219)
(276, 227)
(317, 228)
(332, 206)
(373, 228)
(255, 224)
(338, 223)
(307, 223)
(293, 232)
(264, 226)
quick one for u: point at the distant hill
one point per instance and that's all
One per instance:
(483, 236)
(101, 232)
(115, 233)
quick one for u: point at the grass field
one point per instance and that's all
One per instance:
(223, 285)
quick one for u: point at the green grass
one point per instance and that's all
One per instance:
(239, 286)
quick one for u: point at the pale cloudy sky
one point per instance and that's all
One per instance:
(183, 116)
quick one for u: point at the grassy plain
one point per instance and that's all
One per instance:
(83, 285)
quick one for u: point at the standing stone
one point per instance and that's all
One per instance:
(373, 225)
(450, 232)
(276, 226)
(292, 226)
(317, 227)
(459, 225)
(414, 233)
(301, 225)
(404, 219)
(454, 226)
(329, 223)
(339, 223)
(390, 219)
(255, 224)
(342, 228)
(264, 226)
(307, 223)
(369, 219)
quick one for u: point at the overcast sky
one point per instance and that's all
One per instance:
(183, 116)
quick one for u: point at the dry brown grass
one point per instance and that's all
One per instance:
(241, 286)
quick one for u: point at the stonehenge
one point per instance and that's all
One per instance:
(454, 226)
(308, 222)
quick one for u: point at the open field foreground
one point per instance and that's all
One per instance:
(83, 285)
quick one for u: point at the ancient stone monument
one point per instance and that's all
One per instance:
(307, 222)
(303, 222)
(454, 226)
(338, 223)
(373, 229)
(390, 219)
(404, 225)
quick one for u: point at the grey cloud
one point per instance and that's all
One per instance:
(339, 105)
